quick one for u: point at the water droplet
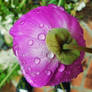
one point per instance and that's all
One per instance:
(16, 53)
(30, 42)
(41, 25)
(62, 68)
(38, 73)
(22, 22)
(48, 73)
(22, 68)
(68, 72)
(37, 60)
(36, 11)
(29, 68)
(41, 36)
(33, 74)
(61, 8)
(52, 5)
(23, 55)
(30, 81)
(20, 33)
(50, 55)
(23, 71)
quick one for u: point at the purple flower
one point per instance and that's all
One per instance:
(39, 65)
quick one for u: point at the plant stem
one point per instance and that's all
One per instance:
(12, 3)
(43, 3)
(61, 85)
(51, 1)
(21, 4)
(80, 48)
(61, 2)
(8, 75)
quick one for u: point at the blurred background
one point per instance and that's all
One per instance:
(10, 11)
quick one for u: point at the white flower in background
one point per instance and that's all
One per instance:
(81, 5)
(7, 59)
(7, 24)
(19, 15)
(2, 30)
(13, 6)
(0, 19)
(6, 0)
(8, 19)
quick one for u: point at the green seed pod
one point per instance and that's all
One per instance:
(57, 41)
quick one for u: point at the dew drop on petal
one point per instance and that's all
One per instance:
(61, 8)
(41, 36)
(22, 68)
(29, 68)
(22, 22)
(37, 11)
(62, 68)
(38, 73)
(37, 60)
(48, 73)
(33, 74)
(50, 55)
(30, 81)
(30, 42)
(23, 55)
(23, 71)
(68, 72)
(16, 53)
(41, 25)
(54, 6)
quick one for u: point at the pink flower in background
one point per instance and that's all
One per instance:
(40, 66)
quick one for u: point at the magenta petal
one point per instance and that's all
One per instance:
(40, 67)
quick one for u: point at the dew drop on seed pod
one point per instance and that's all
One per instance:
(62, 68)
(50, 55)
(41, 36)
(37, 60)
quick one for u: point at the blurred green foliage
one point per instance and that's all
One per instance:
(6, 77)
(17, 7)
(3, 45)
